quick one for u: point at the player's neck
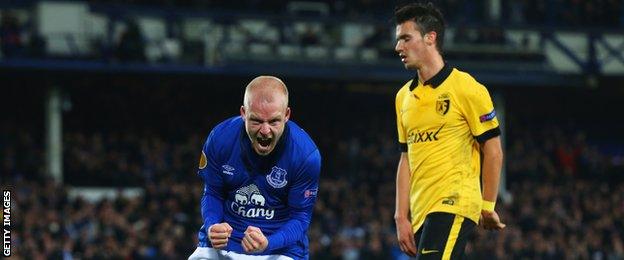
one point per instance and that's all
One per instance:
(431, 68)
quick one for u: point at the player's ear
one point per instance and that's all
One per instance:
(430, 37)
(242, 111)
(287, 114)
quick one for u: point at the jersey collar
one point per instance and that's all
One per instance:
(436, 80)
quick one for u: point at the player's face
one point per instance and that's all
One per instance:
(410, 45)
(264, 123)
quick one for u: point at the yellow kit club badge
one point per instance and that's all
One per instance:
(443, 104)
(202, 161)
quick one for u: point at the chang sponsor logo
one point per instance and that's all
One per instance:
(249, 202)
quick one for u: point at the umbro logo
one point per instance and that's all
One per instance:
(229, 170)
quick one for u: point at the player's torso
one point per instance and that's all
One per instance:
(441, 151)
(438, 136)
(254, 196)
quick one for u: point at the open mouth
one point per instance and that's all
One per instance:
(264, 141)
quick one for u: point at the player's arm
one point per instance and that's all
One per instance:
(405, 234)
(218, 232)
(492, 164)
(481, 117)
(301, 200)
(212, 203)
(213, 196)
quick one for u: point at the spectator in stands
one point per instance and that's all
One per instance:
(309, 37)
(379, 38)
(131, 46)
(491, 35)
(10, 35)
(462, 35)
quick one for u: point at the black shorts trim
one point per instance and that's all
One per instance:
(432, 238)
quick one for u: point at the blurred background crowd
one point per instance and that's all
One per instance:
(566, 178)
(284, 22)
(517, 12)
(130, 123)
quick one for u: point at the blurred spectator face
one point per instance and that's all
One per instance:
(412, 46)
(265, 116)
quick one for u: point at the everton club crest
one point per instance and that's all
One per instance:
(277, 177)
(443, 104)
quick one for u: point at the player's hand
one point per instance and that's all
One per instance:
(254, 241)
(219, 235)
(491, 221)
(406, 237)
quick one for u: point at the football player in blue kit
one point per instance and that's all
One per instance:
(261, 175)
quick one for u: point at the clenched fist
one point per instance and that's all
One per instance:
(254, 241)
(219, 235)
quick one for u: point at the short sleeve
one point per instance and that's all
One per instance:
(399, 119)
(479, 111)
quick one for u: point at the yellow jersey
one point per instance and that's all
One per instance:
(440, 124)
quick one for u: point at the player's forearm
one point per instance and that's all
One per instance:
(291, 232)
(211, 209)
(402, 189)
(492, 165)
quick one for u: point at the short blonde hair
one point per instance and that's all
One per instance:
(265, 86)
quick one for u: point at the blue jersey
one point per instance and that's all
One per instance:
(275, 193)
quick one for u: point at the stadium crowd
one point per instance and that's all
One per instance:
(567, 191)
(476, 23)
(604, 13)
